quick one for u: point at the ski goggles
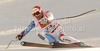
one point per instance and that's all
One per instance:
(37, 13)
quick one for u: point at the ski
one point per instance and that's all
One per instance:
(61, 45)
(23, 43)
(53, 45)
(77, 15)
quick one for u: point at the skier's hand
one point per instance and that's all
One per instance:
(19, 37)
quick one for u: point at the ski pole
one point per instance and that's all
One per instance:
(11, 42)
(78, 15)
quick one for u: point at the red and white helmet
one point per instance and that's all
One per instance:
(36, 9)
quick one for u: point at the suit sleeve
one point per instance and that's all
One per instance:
(30, 26)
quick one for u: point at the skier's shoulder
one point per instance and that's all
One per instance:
(48, 14)
(32, 21)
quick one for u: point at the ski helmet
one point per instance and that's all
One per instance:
(37, 9)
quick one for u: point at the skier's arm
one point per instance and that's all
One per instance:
(23, 33)
(30, 26)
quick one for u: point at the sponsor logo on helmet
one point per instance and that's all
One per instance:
(34, 10)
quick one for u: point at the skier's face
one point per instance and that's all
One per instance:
(37, 15)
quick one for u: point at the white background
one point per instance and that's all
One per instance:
(15, 15)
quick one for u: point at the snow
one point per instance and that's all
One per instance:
(15, 15)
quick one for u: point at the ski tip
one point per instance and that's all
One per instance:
(96, 9)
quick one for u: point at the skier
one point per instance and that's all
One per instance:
(50, 30)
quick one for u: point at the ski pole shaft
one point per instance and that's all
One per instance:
(78, 15)
(11, 42)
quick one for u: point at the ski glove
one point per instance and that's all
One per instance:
(19, 37)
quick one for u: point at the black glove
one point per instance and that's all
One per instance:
(19, 37)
